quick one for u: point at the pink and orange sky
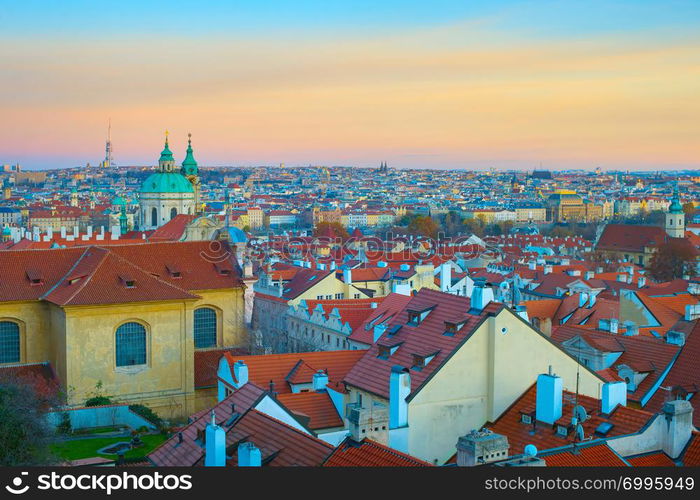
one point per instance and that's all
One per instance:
(509, 85)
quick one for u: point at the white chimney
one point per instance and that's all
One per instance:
(582, 299)
(548, 269)
(249, 455)
(614, 394)
(532, 265)
(641, 281)
(347, 276)
(589, 275)
(215, 444)
(399, 389)
(481, 296)
(614, 324)
(592, 299)
(445, 276)
(240, 373)
(631, 328)
(63, 232)
(332, 267)
(679, 426)
(320, 380)
(549, 397)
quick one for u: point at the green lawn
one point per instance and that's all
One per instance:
(87, 448)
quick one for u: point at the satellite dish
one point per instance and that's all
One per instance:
(580, 413)
(531, 450)
(579, 432)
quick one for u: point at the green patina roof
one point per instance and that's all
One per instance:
(6, 231)
(189, 164)
(166, 154)
(166, 182)
(118, 201)
(675, 207)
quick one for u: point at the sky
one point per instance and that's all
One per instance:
(438, 84)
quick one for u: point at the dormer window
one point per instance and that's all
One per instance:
(173, 271)
(420, 361)
(128, 281)
(452, 327)
(394, 330)
(416, 317)
(384, 350)
(222, 269)
(34, 277)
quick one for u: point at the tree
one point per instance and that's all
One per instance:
(25, 434)
(688, 208)
(424, 225)
(331, 230)
(673, 259)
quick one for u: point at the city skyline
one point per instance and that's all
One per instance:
(511, 85)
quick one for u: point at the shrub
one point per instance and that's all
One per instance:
(98, 401)
(148, 414)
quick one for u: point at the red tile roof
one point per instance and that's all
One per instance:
(277, 367)
(372, 373)
(189, 452)
(352, 311)
(317, 406)
(389, 307)
(642, 353)
(590, 456)
(630, 237)
(206, 364)
(658, 459)
(625, 421)
(173, 229)
(40, 376)
(99, 271)
(691, 456)
(368, 453)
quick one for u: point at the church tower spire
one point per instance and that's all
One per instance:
(675, 218)
(166, 162)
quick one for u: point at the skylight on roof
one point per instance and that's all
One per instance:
(604, 428)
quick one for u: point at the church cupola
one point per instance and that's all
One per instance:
(189, 164)
(675, 218)
(166, 162)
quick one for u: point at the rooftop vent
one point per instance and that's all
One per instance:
(35, 278)
(173, 271)
(128, 281)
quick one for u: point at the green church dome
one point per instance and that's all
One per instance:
(189, 164)
(166, 182)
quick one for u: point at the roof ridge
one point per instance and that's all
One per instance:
(84, 255)
(270, 417)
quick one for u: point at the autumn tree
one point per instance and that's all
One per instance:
(673, 259)
(331, 230)
(424, 225)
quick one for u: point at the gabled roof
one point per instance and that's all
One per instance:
(641, 353)
(625, 421)
(389, 307)
(276, 367)
(173, 229)
(630, 237)
(189, 452)
(372, 373)
(368, 453)
(317, 406)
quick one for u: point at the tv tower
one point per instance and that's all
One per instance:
(108, 161)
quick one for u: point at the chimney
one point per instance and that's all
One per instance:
(63, 232)
(399, 389)
(320, 380)
(614, 393)
(548, 269)
(692, 312)
(641, 281)
(116, 232)
(481, 296)
(592, 299)
(249, 455)
(332, 267)
(589, 275)
(582, 299)
(675, 338)
(522, 312)
(347, 276)
(445, 276)
(631, 328)
(381, 263)
(549, 397)
(679, 426)
(89, 232)
(320, 266)
(599, 270)
(614, 324)
(214, 444)
(532, 265)
(481, 447)
(240, 373)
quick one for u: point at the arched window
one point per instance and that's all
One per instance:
(131, 344)
(9, 342)
(173, 212)
(154, 216)
(204, 327)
